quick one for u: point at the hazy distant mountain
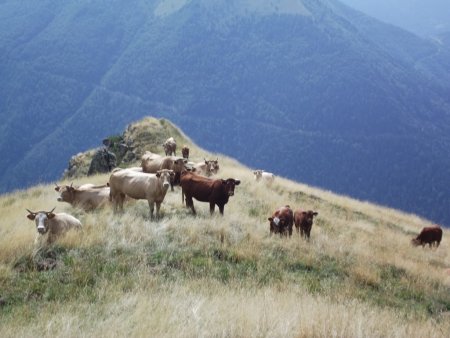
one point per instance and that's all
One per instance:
(307, 89)
(423, 17)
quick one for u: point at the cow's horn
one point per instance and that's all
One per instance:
(30, 211)
(52, 210)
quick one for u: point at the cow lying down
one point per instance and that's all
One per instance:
(139, 185)
(88, 197)
(51, 224)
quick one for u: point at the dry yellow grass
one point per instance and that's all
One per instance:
(204, 276)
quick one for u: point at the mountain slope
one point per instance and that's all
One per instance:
(193, 276)
(422, 17)
(307, 89)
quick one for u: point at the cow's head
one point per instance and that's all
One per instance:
(179, 164)
(229, 185)
(308, 216)
(257, 174)
(165, 175)
(66, 193)
(212, 167)
(416, 242)
(41, 218)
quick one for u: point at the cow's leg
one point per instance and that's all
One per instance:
(151, 205)
(158, 206)
(121, 199)
(212, 206)
(221, 207)
(190, 204)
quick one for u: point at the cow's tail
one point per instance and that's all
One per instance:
(182, 196)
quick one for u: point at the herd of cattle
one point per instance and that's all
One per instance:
(151, 182)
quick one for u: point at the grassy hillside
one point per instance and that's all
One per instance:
(125, 275)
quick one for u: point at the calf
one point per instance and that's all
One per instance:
(52, 225)
(203, 189)
(170, 146)
(303, 222)
(281, 221)
(88, 197)
(428, 235)
(264, 176)
(137, 185)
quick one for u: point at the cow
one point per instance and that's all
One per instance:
(51, 224)
(204, 189)
(151, 164)
(137, 185)
(264, 176)
(185, 152)
(303, 221)
(428, 235)
(282, 221)
(87, 196)
(207, 168)
(170, 147)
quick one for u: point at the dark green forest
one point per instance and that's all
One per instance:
(329, 97)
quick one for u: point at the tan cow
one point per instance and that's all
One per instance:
(170, 147)
(207, 168)
(151, 187)
(151, 164)
(52, 225)
(87, 196)
(264, 176)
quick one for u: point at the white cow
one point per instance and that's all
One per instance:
(139, 185)
(52, 225)
(170, 146)
(264, 176)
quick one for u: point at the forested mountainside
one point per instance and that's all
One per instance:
(308, 89)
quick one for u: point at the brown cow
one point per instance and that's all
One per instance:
(151, 164)
(207, 168)
(281, 221)
(170, 147)
(185, 152)
(137, 185)
(428, 235)
(54, 225)
(205, 189)
(87, 196)
(303, 221)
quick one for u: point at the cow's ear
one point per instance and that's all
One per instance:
(57, 188)
(224, 181)
(50, 215)
(315, 213)
(237, 182)
(31, 216)
(158, 174)
(270, 219)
